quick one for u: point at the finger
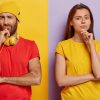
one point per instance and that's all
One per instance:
(6, 32)
(84, 32)
(90, 36)
(85, 35)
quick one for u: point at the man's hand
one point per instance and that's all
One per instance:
(3, 35)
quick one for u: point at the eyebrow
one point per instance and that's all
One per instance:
(81, 16)
(1, 16)
(4, 15)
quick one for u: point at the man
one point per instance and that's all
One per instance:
(19, 62)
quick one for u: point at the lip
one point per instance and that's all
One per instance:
(83, 27)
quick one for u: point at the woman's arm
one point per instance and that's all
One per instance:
(65, 80)
(95, 60)
(95, 57)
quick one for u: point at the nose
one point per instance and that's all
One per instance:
(83, 21)
(5, 21)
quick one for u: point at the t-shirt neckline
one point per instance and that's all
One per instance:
(15, 44)
(80, 43)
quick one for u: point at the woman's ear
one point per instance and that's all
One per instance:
(71, 24)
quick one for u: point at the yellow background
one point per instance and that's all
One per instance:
(34, 26)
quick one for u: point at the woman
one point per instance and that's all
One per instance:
(78, 57)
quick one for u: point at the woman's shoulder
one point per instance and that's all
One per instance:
(97, 42)
(97, 45)
(65, 42)
(63, 47)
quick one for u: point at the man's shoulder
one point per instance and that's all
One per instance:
(27, 41)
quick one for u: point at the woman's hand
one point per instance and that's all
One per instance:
(87, 37)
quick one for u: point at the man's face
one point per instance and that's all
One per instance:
(8, 21)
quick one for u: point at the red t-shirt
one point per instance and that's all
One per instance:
(14, 62)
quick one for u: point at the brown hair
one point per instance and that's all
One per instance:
(69, 29)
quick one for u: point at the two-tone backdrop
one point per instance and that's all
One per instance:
(44, 21)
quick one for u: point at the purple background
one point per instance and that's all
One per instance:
(58, 11)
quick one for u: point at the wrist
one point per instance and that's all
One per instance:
(91, 45)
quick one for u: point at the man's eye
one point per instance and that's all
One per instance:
(9, 17)
(1, 17)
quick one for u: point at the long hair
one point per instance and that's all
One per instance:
(69, 32)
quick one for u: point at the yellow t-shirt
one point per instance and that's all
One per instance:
(78, 62)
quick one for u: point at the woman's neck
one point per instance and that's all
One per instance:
(77, 37)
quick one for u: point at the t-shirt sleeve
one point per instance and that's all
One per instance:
(34, 51)
(97, 44)
(59, 49)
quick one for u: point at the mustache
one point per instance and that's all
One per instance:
(4, 27)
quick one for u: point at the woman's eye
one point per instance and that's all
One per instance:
(86, 17)
(77, 18)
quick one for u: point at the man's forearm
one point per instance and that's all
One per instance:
(25, 80)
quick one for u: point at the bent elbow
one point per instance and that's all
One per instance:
(37, 81)
(60, 84)
(97, 76)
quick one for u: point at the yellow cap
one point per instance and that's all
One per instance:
(10, 7)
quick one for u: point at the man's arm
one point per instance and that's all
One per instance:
(31, 78)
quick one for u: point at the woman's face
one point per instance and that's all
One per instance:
(81, 20)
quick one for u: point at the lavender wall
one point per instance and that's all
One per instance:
(58, 11)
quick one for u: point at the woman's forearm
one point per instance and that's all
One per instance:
(75, 80)
(95, 61)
